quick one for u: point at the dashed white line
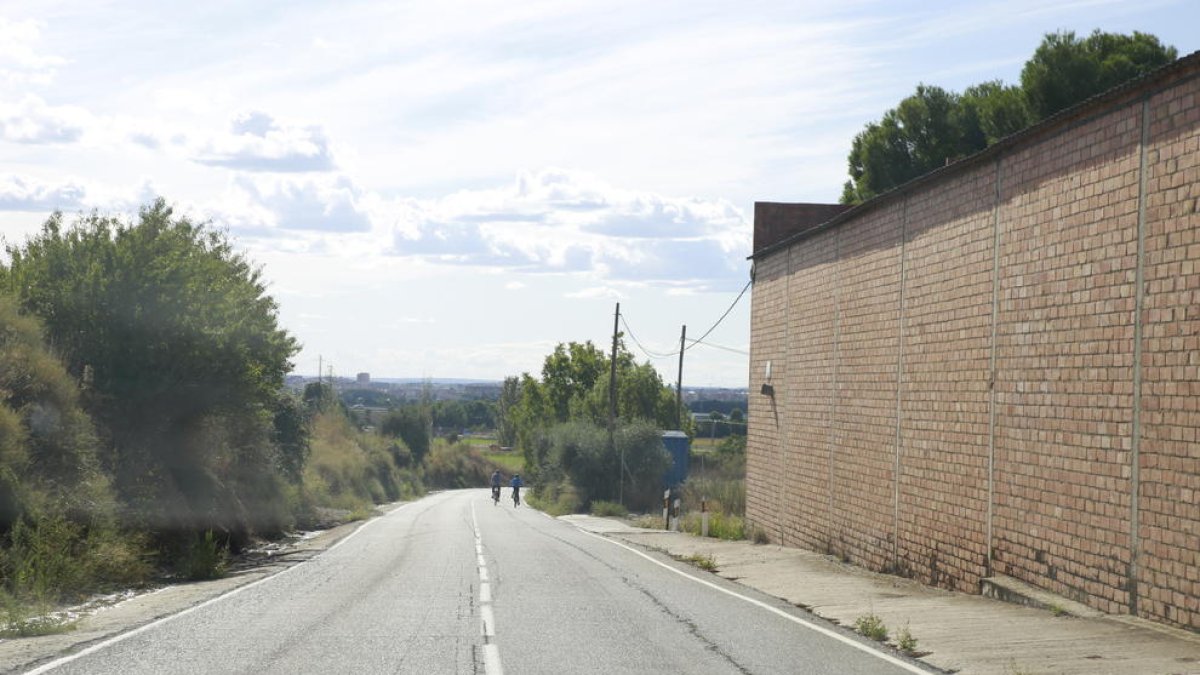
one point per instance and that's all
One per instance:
(491, 660)
(487, 619)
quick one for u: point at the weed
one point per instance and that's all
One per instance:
(1057, 610)
(609, 509)
(203, 558)
(871, 626)
(648, 521)
(14, 626)
(906, 642)
(702, 560)
(758, 535)
(720, 525)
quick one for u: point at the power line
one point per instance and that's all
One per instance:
(717, 346)
(718, 323)
(670, 355)
(647, 352)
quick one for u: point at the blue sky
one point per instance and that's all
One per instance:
(449, 189)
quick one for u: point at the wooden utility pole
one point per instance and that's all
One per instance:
(679, 382)
(612, 407)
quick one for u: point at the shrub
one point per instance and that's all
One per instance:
(609, 509)
(203, 558)
(871, 626)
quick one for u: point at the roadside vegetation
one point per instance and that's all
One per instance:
(145, 430)
(559, 422)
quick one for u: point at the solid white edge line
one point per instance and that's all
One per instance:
(758, 603)
(491, 660)
(483, 575)
(485, 592)
(184, 612)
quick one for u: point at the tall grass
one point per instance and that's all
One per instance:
(352, 470)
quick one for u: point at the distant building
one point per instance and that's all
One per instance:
(364, 378)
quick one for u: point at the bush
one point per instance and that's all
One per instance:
(871, 626)
(203, 558)
(455, 465)
(609, 509)
(578, 454)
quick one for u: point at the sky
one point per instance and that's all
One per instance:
(450, 189)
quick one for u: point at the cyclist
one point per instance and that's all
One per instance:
(516, 483)
(496, 486)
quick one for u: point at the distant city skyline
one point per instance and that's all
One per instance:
(449, 190)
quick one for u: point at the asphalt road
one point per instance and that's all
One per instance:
(454, 584)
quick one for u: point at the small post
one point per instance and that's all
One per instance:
(703, 517)
(667, 509)
(676, 504)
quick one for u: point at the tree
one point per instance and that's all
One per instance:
(1065, 70)
(507, 413)
(934, 126)
(48, 450)
(569, 374)
(998, 110)
(917, 136)
(410, 425)
(182, 354)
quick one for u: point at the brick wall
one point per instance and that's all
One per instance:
(968, 378)
(1169, 517)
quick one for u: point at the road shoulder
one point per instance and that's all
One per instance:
(959, 632)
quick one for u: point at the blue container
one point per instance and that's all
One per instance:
(679, 447)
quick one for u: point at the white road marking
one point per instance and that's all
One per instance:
(487, 619)
(758, 603)
(142, 629)
(491, 660)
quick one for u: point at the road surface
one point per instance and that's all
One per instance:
(455, 584)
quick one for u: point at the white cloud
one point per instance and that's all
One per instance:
(23, 194)
(20, 61)
(32, 121)
(267, 205)
(561, 221)
(258, 142)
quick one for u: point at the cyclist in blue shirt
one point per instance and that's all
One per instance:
(516, 483)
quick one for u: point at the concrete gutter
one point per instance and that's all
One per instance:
(959, 632)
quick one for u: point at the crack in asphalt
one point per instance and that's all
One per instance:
(687, 623)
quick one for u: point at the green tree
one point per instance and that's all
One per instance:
(997, 110)
(919, 135)
(569, 374)
(1065, 70)
(183, 357)
(411, 426)
(48, 451)
(507, 412)
(934, 126)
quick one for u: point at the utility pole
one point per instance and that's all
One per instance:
(612, 407)
(679, 382)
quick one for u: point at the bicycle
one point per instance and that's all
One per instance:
(495, 495)
(516, 497)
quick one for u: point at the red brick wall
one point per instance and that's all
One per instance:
(864, 418)
(805, 395)
(949, 256)
(1169, 528)
(956, 391)
(1064, 346)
